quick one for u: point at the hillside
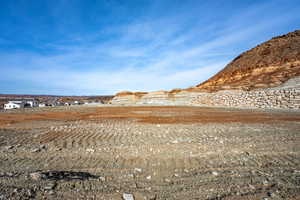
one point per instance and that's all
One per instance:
(267, 76)
(267, 65)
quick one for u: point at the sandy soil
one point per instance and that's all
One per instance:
(149, 152)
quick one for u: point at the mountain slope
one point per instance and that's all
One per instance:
(267, 65)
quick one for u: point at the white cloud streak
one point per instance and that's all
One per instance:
(143, 56)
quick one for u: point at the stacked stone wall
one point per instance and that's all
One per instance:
(287, 96)
(269, 98)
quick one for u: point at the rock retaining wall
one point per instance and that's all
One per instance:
(287, 96)
(282, 98)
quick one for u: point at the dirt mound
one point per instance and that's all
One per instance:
(267, 65)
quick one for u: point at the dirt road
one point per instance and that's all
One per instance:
(149, 153)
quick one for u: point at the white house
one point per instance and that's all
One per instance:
(30, 103)
(20, 103)
(13, 105)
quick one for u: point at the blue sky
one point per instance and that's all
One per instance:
(95, 47)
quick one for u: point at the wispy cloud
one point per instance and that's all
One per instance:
(153, 52)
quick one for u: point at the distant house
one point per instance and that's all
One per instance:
(41, 105)
(14, 105)
(20, 103)
(30, 103)
(58, 103)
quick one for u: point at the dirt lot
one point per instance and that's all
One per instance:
(149, 153)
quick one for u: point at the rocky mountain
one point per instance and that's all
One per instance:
(267, 65)
(267, 76)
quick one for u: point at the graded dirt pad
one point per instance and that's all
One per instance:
(149, 152)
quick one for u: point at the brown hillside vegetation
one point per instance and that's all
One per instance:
(267, 65)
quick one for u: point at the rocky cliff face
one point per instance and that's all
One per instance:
(267, 76)
(127, 97)
(155, 98)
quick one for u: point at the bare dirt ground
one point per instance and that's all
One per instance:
(149, 153)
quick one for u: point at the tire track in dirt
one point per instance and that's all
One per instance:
(183, 161)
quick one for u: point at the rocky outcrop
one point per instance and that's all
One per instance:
(267, 65)
(167, 98)
(155, 98)
(127, 97)
(267, 76)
